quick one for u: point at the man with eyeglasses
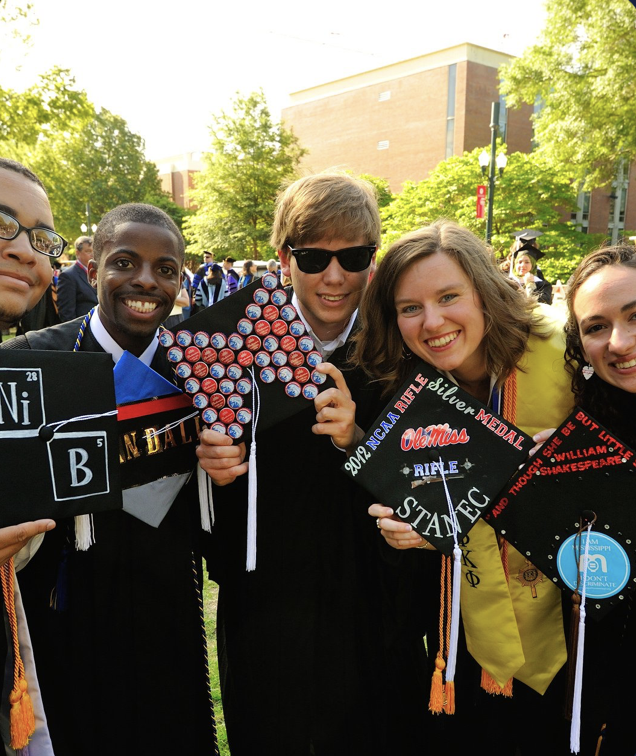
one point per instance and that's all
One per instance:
(27, 242)
(309, 647)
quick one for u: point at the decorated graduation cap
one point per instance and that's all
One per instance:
(433, 438)
(247, 362)
(67, 434)
(248, 354)
(158, 431)
(438, 457)
(582, 476)
(570, 512)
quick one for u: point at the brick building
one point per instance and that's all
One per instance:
(399, 121)
(175, 174)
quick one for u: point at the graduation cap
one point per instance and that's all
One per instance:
(433, 436)
(158, 431)
(247, 362)
(583, 475)
(247, 357)
(527, 243)
(68, 436)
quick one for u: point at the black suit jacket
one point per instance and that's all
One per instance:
(75, 295)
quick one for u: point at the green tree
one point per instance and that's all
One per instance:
(581, 70)
(51, 105)
(530, 194)
(102, 164)
(251, 157)
(82, 155)
(382, 187)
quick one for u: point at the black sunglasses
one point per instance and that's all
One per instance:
(351, 259)
(43, 240)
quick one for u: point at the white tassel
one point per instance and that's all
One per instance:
(206, 504)
(251, 510)
(575, 727)
(250, 560)
(451, 661)
(454, 633)
(84, 532)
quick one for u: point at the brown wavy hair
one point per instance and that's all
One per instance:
(510, 316)
(611, 406)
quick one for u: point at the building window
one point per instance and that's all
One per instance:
(450, 110)
(582, 216)
(383, 145)
(384, 96)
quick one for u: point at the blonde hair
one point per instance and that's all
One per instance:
(328, 204)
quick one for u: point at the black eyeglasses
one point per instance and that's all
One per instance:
(43, 240)
(351, 259)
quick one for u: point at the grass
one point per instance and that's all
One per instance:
(210, 594)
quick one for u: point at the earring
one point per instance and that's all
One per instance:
(406, 352)
(588, 372)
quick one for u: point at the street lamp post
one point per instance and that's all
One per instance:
(490, 161)
(86, 226)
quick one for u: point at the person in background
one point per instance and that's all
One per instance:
(199, 275)
(231, 276)
(272, 267)
(248, 273)
(75, 295)
(212, 288)
(524, 262)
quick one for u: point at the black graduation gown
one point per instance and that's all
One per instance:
(122, 662)
(313, 644)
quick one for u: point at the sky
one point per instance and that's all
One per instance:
(167, 67)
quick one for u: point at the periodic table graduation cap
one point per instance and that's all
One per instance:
(58, 439)
(582, 475)
(432, 435)
(246, 360)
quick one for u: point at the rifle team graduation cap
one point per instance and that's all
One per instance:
(582, 476)
(66, 438)
(247, 362)
(430, 437)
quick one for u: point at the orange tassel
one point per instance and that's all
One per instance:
(436, 700)
(490, 685)
(449, 706)
(22, 718)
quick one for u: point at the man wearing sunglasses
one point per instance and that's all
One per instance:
(307, 647)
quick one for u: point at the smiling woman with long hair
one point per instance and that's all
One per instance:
(438, 295)
(601, 356)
